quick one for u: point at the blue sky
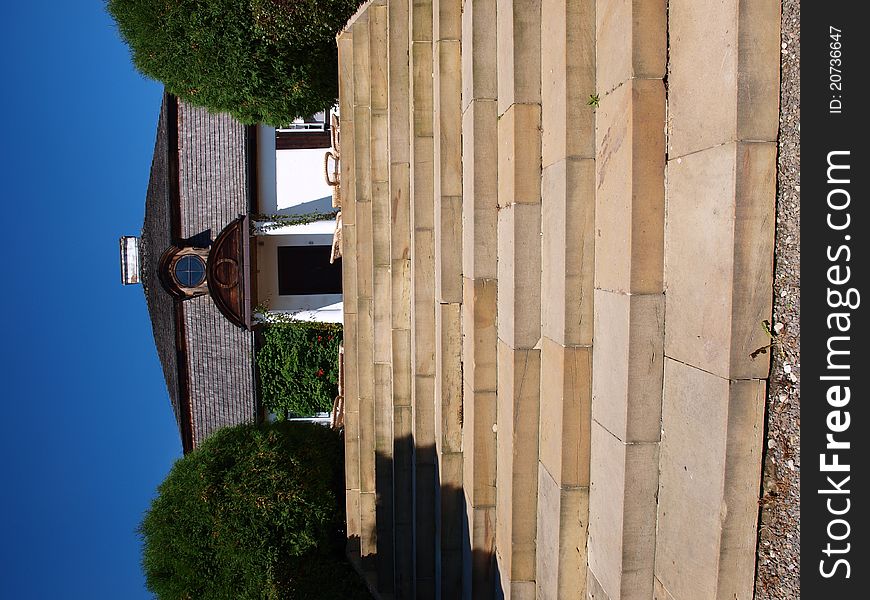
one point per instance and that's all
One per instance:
(87, 429)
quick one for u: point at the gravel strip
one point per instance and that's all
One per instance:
(778, 567)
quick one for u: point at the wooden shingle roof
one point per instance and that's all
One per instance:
(200, 182)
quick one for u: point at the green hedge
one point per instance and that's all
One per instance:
(256, 512)
(263, 61)
(298, 367)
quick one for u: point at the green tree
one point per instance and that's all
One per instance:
(263, 61)
(254, 513)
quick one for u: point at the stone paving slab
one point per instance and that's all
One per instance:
(719, 252)
(710, 473)
(567, 79)
(349, 265)
(519, 275)
(361, 67)
(561, 539)
(627, 365)
(631, 41)
(448, 378)
(421, 70)
(519, 155)
(366, 372)
(519, 53)
(479, 449)
(568, 251)
(447, 124)
(379, 148)
(479, 66)
(517, 456)
(448, 249)
(742, 101)
(382, 300)
(480, 189)
(423, 277)
(479, 577)
(480, 334)
(399, 81)
(566, 412)
(630, 188)
(622, 516)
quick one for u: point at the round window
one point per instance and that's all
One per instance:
(189, 271)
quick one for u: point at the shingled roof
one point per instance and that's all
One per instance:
(200, 182)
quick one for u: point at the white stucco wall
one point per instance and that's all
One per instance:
(290, 181)
(300, 180)
(312, 307)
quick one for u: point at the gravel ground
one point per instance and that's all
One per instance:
(778, 570)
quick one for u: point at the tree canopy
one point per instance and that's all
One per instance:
(253, 513)
(263, 61)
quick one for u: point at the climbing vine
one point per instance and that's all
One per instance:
(264, 223)
(298, 367)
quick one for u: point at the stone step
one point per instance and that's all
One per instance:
(519, 292)
(380, 158)
(447, 162)
(399, 102)
(718, 256)
(423, 295)
(362, 183)
(498, 224)
(378, 24)
(480, 288)
(629, 301)
(567, 286)
(349, 297)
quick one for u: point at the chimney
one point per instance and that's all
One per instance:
(129, 259)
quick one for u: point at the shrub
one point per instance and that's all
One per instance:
(263, 61)
(247, 514)
(298, 367)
